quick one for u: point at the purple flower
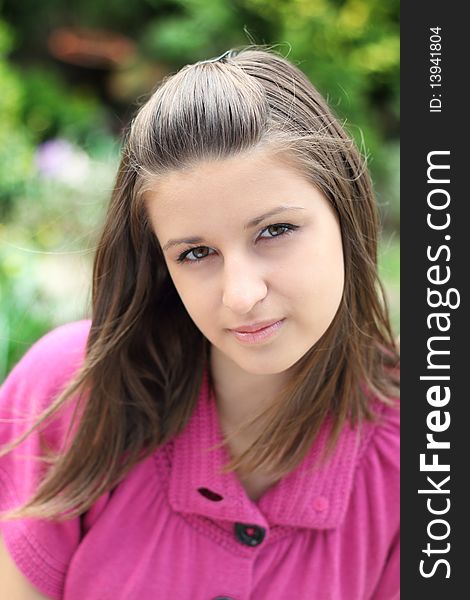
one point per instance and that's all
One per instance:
(60, 160)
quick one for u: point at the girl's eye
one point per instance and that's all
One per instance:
(199, 253)
(277, 230)
(194, 254)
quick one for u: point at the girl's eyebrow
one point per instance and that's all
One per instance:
(249, 225)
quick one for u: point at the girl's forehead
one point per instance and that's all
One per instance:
(245, 178)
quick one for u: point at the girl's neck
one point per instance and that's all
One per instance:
(240, 395)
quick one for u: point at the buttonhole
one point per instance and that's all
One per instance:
(210, 495)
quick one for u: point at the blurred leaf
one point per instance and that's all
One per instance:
(49, 107)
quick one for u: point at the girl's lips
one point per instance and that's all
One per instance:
(255, 326)
(260, 332)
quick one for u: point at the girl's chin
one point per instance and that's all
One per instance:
(263, 367)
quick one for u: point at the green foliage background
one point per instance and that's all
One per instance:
(49, 225)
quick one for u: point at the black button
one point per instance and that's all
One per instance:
(250, 535)
(222, 598)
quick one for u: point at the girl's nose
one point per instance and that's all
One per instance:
(243, 287)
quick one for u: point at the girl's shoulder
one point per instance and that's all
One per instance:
(381, 437)
(39, 377)
(377, 473)
(53, 358)
(372, 523)
(44, 371)
(31, 387)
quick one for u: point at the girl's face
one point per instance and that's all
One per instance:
(255, 253)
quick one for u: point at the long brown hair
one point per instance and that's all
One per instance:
(145, 358)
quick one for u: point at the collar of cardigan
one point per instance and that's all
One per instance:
(312, 496)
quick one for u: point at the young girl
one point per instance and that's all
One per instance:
(226, 426)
